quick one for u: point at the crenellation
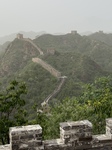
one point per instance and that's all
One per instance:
(76, 130)
(25, 136)
(74, 135)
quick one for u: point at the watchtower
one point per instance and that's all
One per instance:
(73, 32)
(19, 36)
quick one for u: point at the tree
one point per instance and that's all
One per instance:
(12, 112)
(68, 109)
(98, 97)
(95, 104)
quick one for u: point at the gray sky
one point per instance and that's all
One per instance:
(55, 15)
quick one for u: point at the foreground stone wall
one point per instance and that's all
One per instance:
(25, 137)
(73, 136)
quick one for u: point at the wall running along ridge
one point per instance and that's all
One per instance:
(31, 42)
(50, 69)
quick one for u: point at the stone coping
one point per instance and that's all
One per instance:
(5, 147)
(28, 128)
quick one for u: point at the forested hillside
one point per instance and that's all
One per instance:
(95, 104)
(98, 51)
(75, 56)
(16, 63)
(103, 37)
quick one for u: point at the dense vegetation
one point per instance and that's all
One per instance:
(96, 50)
(79, 58)
(95, 104)
(12, 112)
(103, 37)
(16, 63)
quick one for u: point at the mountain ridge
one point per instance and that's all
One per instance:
(11, 37)
(64, 53)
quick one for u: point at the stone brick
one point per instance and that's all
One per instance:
(73, 136)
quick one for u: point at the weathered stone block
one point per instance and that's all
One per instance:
(23, 134)
(73, 136)
(75, 130)
(5, 147)
(15, 147)
(109, 122)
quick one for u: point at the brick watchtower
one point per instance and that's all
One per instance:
(19, 36)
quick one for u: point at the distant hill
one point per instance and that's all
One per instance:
(11, 37)
(103, 37)
(0, 47)
(86, 33)
(3, 48)
(98, 51)
(60, 43)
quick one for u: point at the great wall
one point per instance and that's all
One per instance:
(74, 135)
(58, 88)
(50, 69)
(31, 42)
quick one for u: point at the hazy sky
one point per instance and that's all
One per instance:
(55, 15)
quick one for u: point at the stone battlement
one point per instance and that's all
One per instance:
(74, 135)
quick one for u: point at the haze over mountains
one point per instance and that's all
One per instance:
(33, 35)
(11, 37)
(80, 58)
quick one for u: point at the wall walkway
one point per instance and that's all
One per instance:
(48, 67)
(31, 42)
(57, 89)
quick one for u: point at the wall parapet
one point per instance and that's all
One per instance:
(74, 135)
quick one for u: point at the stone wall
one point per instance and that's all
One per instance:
(45, 106)
(48, 67)
(74, 135)
(31, 42)
(25, 137)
